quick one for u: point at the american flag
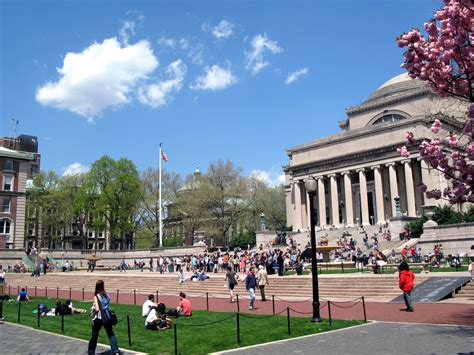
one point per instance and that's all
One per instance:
(163, 156)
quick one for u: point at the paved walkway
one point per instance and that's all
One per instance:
(16, 339)
(376, 338)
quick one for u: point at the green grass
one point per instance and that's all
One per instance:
(196, 335)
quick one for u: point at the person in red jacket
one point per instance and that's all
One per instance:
(406, 284)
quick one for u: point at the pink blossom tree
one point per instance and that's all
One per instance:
(445, 60)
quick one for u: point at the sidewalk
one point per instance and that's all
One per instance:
(375, 338)
(18, 339)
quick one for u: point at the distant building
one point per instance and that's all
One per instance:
(19, 163)
(359, 171)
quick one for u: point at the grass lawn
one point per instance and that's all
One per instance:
(202, 333)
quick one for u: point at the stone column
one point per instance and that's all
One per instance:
(322, 202)
(364, 203)
(348, 198)
(427, 179)
(410, 189)
(393, 186)
(297, 221)
(379, 194)
(334, 201)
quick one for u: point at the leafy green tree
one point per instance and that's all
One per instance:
(114, 187)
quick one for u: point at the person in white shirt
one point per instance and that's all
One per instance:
(148, 305)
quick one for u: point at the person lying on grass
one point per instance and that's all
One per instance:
(157, 319)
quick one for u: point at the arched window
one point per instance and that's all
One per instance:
(390, 117)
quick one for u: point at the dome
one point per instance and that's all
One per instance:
(395, 80)
(398, 88)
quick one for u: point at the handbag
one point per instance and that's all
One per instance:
(108, 318)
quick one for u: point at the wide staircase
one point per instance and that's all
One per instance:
(384, 287)
(466, 292)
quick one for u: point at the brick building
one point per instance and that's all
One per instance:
(19, 163)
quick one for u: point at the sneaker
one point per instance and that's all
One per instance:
(410, 310)
(251, 308)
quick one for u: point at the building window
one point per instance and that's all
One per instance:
(6, 205)
(5, 226)
(34, 169)
(8, 165)
(391, 117)
(7, 183)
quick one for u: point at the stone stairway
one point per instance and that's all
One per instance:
(466, 292)
(288, 287)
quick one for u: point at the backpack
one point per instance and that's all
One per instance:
(42, 309)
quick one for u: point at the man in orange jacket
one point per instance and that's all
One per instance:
(406, 284)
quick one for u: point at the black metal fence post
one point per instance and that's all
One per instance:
(342, 265)
(238, 328)
(57, 292)
(207, 301)
(273, 303)
(329, 311)
(175, 339)
(363, 305)
(238, 304)
(46, 291)
(129, 333)
(70, 292)
(116, 301)
(135, 297)
(39, 315)
(19, 311)
(36, 291)
(83, 296)
(1, 310)
(288, 316)
(157, 297)
(62, 323)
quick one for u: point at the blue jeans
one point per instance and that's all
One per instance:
(96, 326)
(252, 296)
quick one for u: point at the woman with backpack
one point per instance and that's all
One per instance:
(102, 316)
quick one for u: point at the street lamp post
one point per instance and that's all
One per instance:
(311, 186)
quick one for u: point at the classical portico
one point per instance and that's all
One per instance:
(358, 170)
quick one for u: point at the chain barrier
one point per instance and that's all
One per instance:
(206, 324)
(350, 306)
(353, 300)
(299, 301)
(294, 310)
(245, 315)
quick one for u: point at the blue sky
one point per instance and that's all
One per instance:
(238, 80)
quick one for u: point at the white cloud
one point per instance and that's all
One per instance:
(75, 169)
(271, 179)
(184, 43)
(129, 26)
(214, 78)
(167, 42)
(261, 44)
(223, 30)
(103, 75)
(292, 77)
(195, 53)
(159, 94)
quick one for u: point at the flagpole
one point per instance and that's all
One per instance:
(160, 213)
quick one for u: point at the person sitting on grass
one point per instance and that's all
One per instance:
(62, 309)
(157, 319)
(74, 309)
(148, 305)
(22, 296)
(184, 308)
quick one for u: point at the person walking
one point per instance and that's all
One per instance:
(281, 264)
(101, 310)
(262, 279)
(231, 278)
(406, 284)
(250, 285)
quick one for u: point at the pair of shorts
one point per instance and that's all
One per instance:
(231, 286)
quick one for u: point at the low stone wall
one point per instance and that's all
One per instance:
(455, 238)
(107, 257)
